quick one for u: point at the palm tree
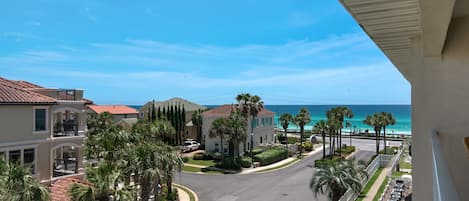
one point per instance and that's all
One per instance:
(237, 131)
(336, 178)
(219, 129)
(340, 113)
(322, 127)
(103, 185)
(17, 184)
(301, 119)
(145, 161)
(388, 119)
(285, 120)
(332, 125)
(250, 107)
(376, 121)
(170, 162)
(197, 121)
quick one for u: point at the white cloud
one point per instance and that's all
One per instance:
(32, 23)
(88, 14)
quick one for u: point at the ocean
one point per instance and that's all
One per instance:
(402, 114)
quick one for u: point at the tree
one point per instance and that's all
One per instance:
(17, 184)
(250, 106)
(376, 121)
(103, 186)
(285, 120)
(220, 128)
(340, 113)
(332, 125)
(334, 179)
(322, 127)
(301, 119)
(237, 131)
(153, 111)
(388, 119)
(197, 121)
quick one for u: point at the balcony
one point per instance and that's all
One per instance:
(67, 128)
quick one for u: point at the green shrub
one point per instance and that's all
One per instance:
(348, 150)
(229, 163)
(256, 151)
(271, 156)
(281, 138)
(199, 156)
(307, 146)
(245, 162)
(327, 161)
(389, 150)
(185, 159)
(173, 196)
(213, 156)
(293, 140)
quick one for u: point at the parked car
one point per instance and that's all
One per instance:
(190, 145)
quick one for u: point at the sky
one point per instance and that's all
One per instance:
(207, 51)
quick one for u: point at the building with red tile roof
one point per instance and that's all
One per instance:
(118, 112)
(42, 127)
(263, 132)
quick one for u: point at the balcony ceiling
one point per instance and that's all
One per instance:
(461, 8)
(390, 24)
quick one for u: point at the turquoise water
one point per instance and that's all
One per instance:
(402, 113)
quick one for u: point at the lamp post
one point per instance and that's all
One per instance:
(252, 146)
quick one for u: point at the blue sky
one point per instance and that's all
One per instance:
(122, 52)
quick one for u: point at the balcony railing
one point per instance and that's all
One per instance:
(67, 128)
(67, 94)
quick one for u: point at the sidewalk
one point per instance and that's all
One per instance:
(192, 165)
(280, 163)
(183, 195)
(374, 189)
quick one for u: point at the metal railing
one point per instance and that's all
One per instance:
(380, 161)
(66, 129)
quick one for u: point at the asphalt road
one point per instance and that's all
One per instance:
(289, 184)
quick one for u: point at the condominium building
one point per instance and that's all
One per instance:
(428, 42)
(43, 128)
(263, 133)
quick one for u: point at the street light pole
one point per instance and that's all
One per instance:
(252, 146)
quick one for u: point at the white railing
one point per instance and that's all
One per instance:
(380, 161)
(442, 183)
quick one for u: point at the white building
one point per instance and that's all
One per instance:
(263, 129)
(428, 41)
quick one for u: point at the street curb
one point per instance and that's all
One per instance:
(188, 189)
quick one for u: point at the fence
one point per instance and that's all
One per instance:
(380, 161)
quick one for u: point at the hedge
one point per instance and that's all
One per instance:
(325, 162)
(271, 156)
(256, 151)
(307, 146)
(245, 162)
(348, 150)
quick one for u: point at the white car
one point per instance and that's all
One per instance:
(190, 146)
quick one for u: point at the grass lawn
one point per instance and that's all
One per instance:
(404, 165)
(398, 174)
(369, 184)
(213, 172)
(191, 169)
(381, 189)
(201, 162)
(281, 166)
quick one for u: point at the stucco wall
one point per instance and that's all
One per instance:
(266, 132)
(16, 123)
(440, 101)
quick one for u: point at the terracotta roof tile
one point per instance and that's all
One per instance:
(113, 109)
(225, 110)
(60, 188)
(13, 92)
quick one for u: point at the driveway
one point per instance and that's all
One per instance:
(289, 184)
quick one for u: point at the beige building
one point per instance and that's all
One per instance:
(190, 108)
(428, 41)
(42, 127)
(263, 129)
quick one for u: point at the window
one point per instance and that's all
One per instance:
(263, 121)
(28, 159)
(40, 119)
(14, 156)
(261, 140)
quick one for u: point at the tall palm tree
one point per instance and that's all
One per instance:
(104, 185)
(237, 131)
(332, 125)
(250, 106)
(145, 161)
(170, 162)
(301, 119)
(17, 184)
(336, 178)
(219, 128)
(322, 127)
(285, 120)
(388, 119)
(197, 121)
(376, 121)
(340, 113)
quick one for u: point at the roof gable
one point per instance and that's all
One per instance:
(113, 109)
